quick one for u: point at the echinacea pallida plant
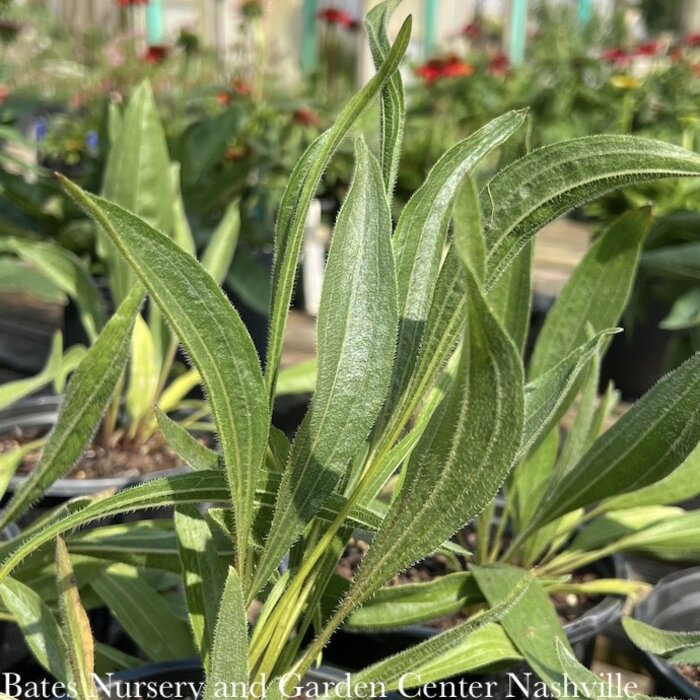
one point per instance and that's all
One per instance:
(676, 647)
(419, 370)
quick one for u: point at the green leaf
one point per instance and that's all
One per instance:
(681, 484)
(41, 631)
(143, 375)
(531, 624)
(468, 232)
(549, 396)
(80, 648)
(64, 269)
(182, 233)
(419, 242)
(216, 341)
(160, 634)
(647, 444)
(229, 663)
(10, 392)
(10, 461)
(674, 539)
(83, 406)
(390, 671)
(678, 261)
(185, 445)
(218, 254)
(204, 576)
(184, 489)
(357, 324)
(550, 181)
(409, 604)
(392, 97)
(298, 379)
(462, 457)
(660, 642)
(301, 189)
(137, 176)
(597, 291)
(685, 312)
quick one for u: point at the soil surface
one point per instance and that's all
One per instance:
(690, 673)
(569, 606)
(119, 457)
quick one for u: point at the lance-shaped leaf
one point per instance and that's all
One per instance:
(420, 237)
(184, 489)
(673, 539)
(392, 98)
(596, 293)
(357, 324)
(550, 181)
(218, 254)
(80, 647)
(10, 392)
(462, 457)
(301, 189)
(681, 484)
(144, 370)
(68, 273)
(204, 576)
(229, 661)
(185, 445)
(216, 341)
(645, 445)
(390, 671)
(160, 633)
(679, 261)
(83, 406)
(137, 176)
(661, 642)
(549, 396)
(39, 626)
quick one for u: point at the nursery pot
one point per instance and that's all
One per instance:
(186, 672)
(673, 604)
(42, 413)
(13, 650)
(356, 649)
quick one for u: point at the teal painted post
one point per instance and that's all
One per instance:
(308, 36)
(154, 22)
(585, 12)
(518, 31)
(430, 27)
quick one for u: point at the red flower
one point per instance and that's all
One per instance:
(4, 92)
(499, 65)
(618, 56)
(237, 152)
(472, 31)
(450, 67)
(339, 18)
(129, 3)
(224, 98)
(692, 40)
(156, 53)
(306, 117)
(242, 87)
(652, 48)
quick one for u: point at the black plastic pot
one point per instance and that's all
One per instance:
(188, 671)
(349, 647)
(674, 605)
(13, 650)
(42, 412)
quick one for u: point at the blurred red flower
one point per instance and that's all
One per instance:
(4, 93)
(224, 98)
(472, 31)
(156, 53)
(692, 40)
(618, 56)
(438, 68)
(337, 17)
(651, 48)
(499, 65)
(242, 87)
(129, 3)
(306, 117)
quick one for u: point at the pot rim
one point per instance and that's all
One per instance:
(41, 410)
